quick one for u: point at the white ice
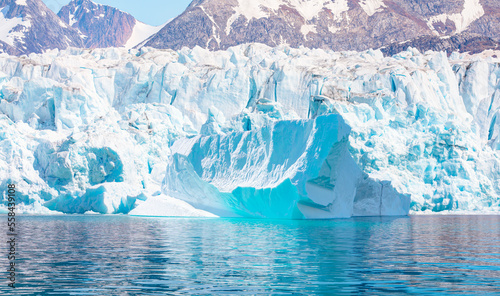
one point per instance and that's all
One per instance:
(93, 130)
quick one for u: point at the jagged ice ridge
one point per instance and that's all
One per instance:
(109, 130)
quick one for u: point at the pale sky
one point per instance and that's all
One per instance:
(152, 12)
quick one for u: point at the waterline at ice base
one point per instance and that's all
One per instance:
(252, 131)
(288, 169)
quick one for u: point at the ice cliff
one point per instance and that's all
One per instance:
(117, 131)
(287, 169)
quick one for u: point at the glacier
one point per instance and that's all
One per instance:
(290, 169)
(135, 131)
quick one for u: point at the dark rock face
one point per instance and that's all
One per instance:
(7, 48)
(464, 42)
(101, 25)
(489, 24)
(449, 25)
(393, 25)
(36, 28)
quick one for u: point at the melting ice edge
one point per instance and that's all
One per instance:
(251, 131)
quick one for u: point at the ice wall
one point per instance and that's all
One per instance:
(287, 169)
(92, 130)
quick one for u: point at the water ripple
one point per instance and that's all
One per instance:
(120, 255)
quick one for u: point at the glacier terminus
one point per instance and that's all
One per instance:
(251, 131)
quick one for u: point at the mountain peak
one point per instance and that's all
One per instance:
(99, 25)
(104, 26)
(29, 26)
(82, 2)
(335, 24)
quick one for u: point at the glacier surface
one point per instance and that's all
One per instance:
(113, 131)
(288, 169)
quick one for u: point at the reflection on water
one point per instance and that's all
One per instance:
(120, 255)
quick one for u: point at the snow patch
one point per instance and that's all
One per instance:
(472, 11)
(72, 20)
(71, 17)
(140, 33)
(308, 9)
(306, 29)
(7, 34)
(372, 6)
(333, 29)
(62, 24)
(21, 2)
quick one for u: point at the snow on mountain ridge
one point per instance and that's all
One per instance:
(6, 34)
(338, 25)
(72, 20)
(372, 6)
(472, 11)
(87, 3)
(308, 9)
(29, 26)
(105, 26)
(140, 33)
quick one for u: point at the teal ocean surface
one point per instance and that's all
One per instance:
(121, 255)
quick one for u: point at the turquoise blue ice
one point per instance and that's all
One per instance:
(236, 132)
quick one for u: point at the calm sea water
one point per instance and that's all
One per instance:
(120, 255)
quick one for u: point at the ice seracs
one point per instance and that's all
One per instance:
(103, 130)
(286, 169)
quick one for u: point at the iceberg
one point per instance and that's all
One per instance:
(112, 130)
(288, 169)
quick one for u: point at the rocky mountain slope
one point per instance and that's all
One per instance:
(336, 24)
(393, 25)
(103, 26)
(29, 26)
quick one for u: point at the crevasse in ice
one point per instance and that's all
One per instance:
(92, 130)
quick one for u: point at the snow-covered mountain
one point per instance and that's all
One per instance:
(393, 25)
(335, 24)
(103, 26)
(252, 131)
(28, 26)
